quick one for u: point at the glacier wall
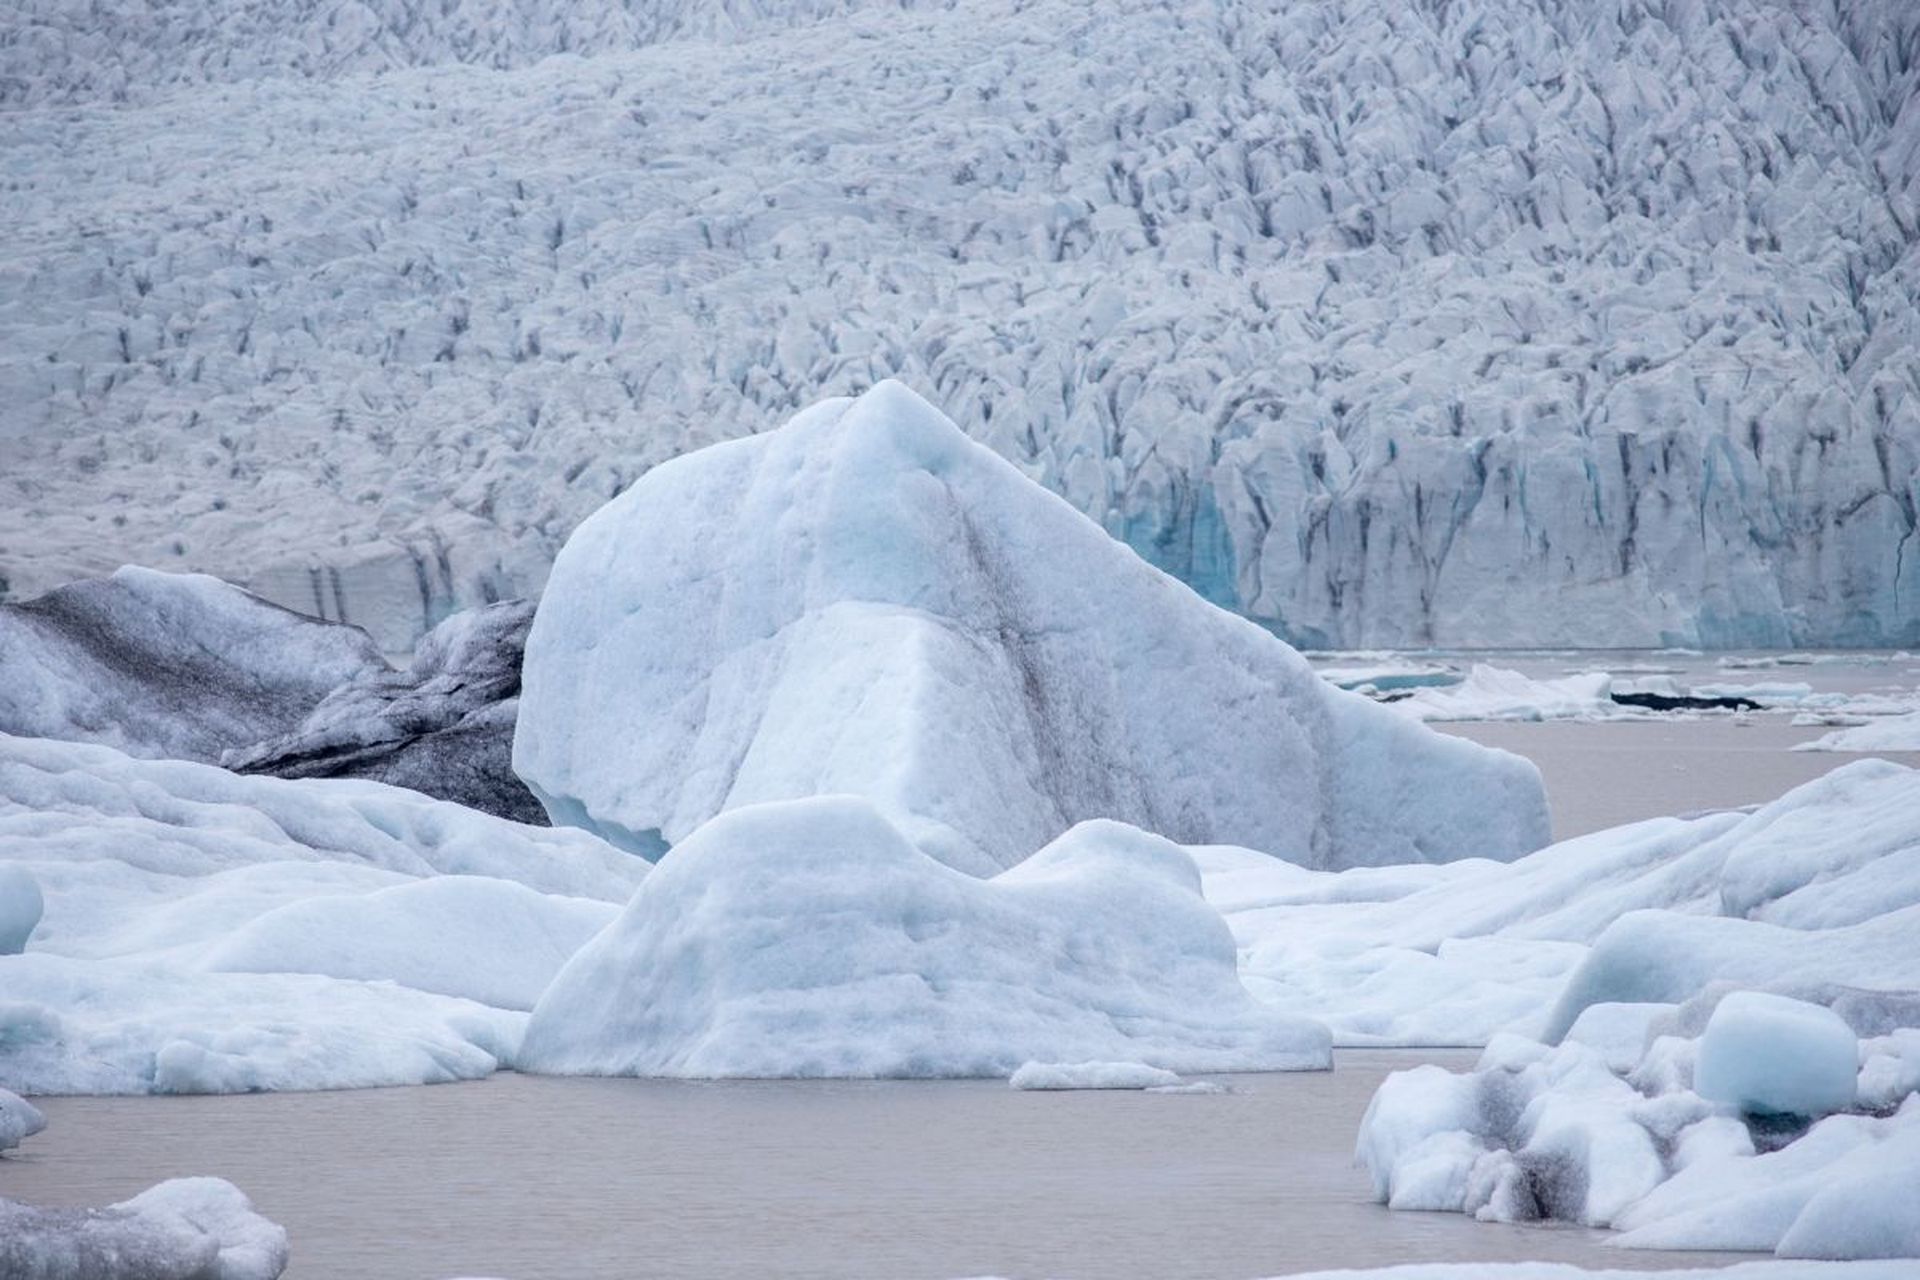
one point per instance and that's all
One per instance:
(1512, 322)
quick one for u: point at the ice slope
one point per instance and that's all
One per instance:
(809, 938)
(164, 664)
(208, 932)
(1819, 887)
(867, 602)
(1468, 323)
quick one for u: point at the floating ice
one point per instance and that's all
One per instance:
(19, 1119)
(182, 1229)
(809, 938)
(1768, 1054)
(207, 932)
(1892, 733)
(1090, 1075)
(867, 602)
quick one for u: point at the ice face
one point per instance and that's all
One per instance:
(19, 1120)
(1769, 1054)
(20, 908)
(866, 602)
(809, 938)
(1490, 323)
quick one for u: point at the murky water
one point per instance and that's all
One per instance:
(531, 1178)
(1601, 775)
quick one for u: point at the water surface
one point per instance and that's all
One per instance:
(537, 1178)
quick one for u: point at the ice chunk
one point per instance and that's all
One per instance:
(182, 1229)
(443, 727)
(810, 938)
(1768, 1054)
(1495, 693)
(20, 907)
(1090, 1075)
(19, 1119)
(867, 602)
(1890, 733)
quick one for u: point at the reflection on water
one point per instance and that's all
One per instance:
(531, 1178)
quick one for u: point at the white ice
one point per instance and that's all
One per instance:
(867, 602)
(19, 1120)
(206, 932)
(182, 1229)
(1057, 1076)
(810, 938)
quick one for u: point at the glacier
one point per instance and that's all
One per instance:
(1517, 321)
(867, 602)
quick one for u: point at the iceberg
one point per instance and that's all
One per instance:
(19, 1119)
(1767, 1054)
(811, 938)
(866, 602)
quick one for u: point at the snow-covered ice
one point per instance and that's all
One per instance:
(208, 932)
(810, 938)
(1496, 693)
(182, 1229)
(1891, 733)
(1492, 323)
(1773, 1055)
(867, 602)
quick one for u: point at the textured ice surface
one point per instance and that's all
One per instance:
(165, 664)
(1518, 320)
(208, 932)
(1537, 1132)
(1769, 1054)
(20, 906)
(182, 1229)
(444, 726)
(809, 938)
(867, 602)
(1821, 886)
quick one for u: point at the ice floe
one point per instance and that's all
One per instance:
(182, 1229)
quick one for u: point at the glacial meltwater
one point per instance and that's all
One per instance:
(577, 1179)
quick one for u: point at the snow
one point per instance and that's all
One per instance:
(19, 1120)
(182, 1229)
(1054, 1076)
(1509, 322)
(810, 938)
(866, 602)
(209, 932)
(166, 664)
(1772, 1055)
